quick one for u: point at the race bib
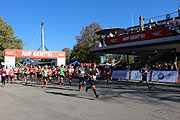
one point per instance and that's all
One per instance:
(82, 72)
(3, 74)
(94, 77)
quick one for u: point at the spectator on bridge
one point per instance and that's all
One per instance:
(110, 34)
(116, 33)
(131, 30)
(149, 27)
(162, 25)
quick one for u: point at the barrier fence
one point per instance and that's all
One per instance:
(158, 76)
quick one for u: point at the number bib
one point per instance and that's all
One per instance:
(82, 72)
(94, 77)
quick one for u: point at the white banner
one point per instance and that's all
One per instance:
(120, 74)
(165, 76)
(136, 75)
(9, 61)
(61, 61)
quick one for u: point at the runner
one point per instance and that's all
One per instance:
(20, 72)
(50, 75)
(7, 74)
(15, 73)
(57, 73)
(25, 74)
(31, 69)
(11, 74)
(39, 75)
(54, 71)
(3, 77)
(62, 70)
(81, 74)
(144, 72)
(45, 76)
(70, 69)
(65, 73)
(108, 74)
(93, 73)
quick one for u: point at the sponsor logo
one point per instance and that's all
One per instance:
(140, 36)
(9, 52)
(161, 76)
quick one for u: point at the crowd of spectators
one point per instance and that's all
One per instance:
(174, 27)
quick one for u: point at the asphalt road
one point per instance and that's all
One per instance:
(121, 100)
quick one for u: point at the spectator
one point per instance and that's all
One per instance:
(110, 34)
(162, 25)
(149, 27)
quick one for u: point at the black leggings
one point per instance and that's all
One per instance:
(3, 80)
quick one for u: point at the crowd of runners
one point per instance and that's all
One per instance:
(44, 75)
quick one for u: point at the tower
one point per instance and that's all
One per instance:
(42, 36)
(42, 47)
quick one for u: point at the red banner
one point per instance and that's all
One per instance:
(34, 54)
(139, 36)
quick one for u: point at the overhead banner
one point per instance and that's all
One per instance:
(34, 54)
(138, 36)
(120, 74)
(165, 76)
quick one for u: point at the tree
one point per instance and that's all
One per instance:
(85, 41)
(68, 52)
(7, 39)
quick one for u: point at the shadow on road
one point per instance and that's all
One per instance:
(69, 95)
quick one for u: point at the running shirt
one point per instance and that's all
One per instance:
(50, 73)
(57, 71)
(26, 71)
(45, 73)
(93, 73)
(42, 69)
(108, 71)
(62, 71)
(16, 70)
(31, 69)
(11, 73)
(145, 71)
(20, 70)
(70, 70)
(7, 71)
(81, 71)
(3, 73)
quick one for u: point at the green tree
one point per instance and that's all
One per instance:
(85, 41)
(68, 52)
(7, 39)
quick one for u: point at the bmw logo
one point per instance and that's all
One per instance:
(161, 76)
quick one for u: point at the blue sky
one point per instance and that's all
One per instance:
(63, 19)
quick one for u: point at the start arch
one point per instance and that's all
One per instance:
(11, 54)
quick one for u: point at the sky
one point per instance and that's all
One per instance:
(64, 19)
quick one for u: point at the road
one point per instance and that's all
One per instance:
(121, 100)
